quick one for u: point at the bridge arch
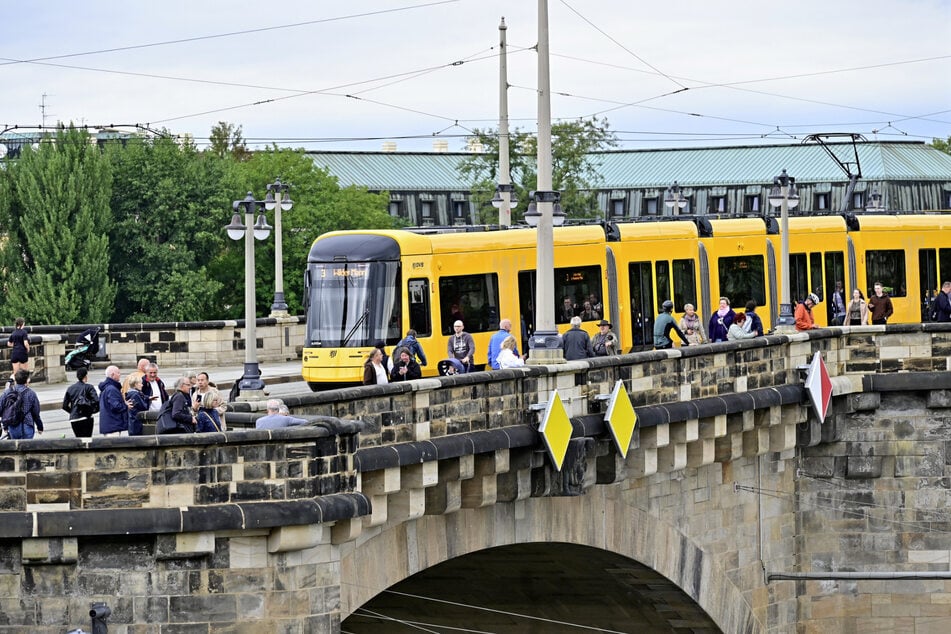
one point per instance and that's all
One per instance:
(602, 519)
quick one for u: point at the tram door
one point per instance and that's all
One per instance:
(641, 281)
(835, 273)
(934, 268)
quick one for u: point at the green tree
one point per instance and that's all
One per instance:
(943, 145)
(226, 138)
(574, 166)
(55, 264)
(320, 205)
(169, 207)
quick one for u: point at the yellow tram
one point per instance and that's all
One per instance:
(363, 287)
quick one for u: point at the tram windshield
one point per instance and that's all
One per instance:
(353, 304)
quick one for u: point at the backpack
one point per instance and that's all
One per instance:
(12, 414)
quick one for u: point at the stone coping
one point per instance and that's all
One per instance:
(218, 517)
(321, 427)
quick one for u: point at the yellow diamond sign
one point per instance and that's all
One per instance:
(555, 429)
(621, 418)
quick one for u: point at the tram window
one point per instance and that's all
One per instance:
(743, 278)
(663, 281)
(887, 267)
(418, 293)
(577, 284)
(798, 277)
(944, 264)
(815, 272)
(473, 299)
(928, 272)
(685, 284)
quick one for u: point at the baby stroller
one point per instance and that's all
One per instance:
(87, 345)
(448, 367)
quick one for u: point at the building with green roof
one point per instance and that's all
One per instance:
(426, 188)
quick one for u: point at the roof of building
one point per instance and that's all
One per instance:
(631, 169)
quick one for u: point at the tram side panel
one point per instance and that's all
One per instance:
(909, 255)
(654, 262)
(740, 268)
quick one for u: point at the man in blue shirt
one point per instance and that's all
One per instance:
(495, 343)
(274, 419)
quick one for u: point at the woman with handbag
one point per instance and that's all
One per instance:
(176, 415)
(81, 401)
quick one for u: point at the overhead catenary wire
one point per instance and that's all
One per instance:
(214, 36)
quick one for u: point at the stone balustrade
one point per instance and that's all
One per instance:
(206, 344)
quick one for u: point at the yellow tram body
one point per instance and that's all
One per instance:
(363, 287)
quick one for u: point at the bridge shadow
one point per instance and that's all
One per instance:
(537, 587)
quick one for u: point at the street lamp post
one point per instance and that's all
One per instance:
(503, 200)
(278, 199)
(250, 385)
(545, 342)
(674, 199)
(785, 196)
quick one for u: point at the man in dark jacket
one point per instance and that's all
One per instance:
(113, 409)
(154, 388)
(81, 401)
(576, 343)
(943, 304)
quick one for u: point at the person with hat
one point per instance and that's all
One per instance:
(604, 343)
(662, 327)
(804, 320)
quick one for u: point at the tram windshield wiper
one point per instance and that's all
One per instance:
(353, 330)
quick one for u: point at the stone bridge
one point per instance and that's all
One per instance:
(757, 516)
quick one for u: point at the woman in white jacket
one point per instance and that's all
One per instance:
(507, 357)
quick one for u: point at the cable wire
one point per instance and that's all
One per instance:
(263, 29)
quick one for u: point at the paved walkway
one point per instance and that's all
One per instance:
(51, 394)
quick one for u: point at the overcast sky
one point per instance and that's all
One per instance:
(664, 74)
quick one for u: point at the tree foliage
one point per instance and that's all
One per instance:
(57, 220)
(574, 166)
(943, 145)
(169, 207)
(227, 139)
(320, 205)
(134, 231)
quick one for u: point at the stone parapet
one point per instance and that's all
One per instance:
(206, 344)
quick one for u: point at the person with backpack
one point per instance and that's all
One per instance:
(81, 401)
(20, 409)
(412, 344)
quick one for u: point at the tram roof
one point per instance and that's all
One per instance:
(425, 243)
(626, 169)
